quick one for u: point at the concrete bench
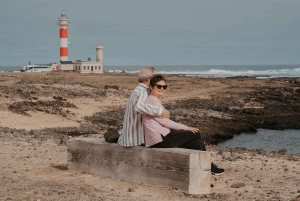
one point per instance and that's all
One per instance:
(184, 169)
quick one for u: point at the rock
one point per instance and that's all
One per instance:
(282, 151)
(58, 98)
(196, 196)
(131, 189)
(276, 198)
(111, 87)
(261, 151)
(253, 111)
(52, 107)
(237, 185)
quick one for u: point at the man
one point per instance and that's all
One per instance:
(132, 133)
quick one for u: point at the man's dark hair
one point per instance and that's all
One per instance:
(156, 78)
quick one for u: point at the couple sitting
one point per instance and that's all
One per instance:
(147, 122)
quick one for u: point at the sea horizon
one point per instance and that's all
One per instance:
(258, 71)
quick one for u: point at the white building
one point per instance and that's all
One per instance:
(85, 66)
(66, 66)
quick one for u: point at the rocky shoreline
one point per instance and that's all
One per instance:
(274, 105)
(40, 112)
(267, 107)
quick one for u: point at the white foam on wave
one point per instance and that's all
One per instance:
(270, 73)
(229, 73)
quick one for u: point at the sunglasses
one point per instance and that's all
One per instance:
(161, 86)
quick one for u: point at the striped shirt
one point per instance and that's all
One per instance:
(132, 133)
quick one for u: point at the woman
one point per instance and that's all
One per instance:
(165, 133)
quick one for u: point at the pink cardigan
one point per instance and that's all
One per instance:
(154, 127)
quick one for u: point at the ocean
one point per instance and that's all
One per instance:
(258, 71)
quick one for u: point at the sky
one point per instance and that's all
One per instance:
(156, 32)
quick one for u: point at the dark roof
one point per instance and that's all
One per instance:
(66, 62)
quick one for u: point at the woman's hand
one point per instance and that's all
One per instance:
(194, 130)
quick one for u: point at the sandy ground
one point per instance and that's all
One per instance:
(34, 167)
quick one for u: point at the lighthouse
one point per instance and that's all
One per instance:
(63, 23)
(88, 66)
(99, 54)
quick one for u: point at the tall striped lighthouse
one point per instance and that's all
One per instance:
(63, 23)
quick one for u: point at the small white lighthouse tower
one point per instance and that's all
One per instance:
(63, 33)
(99, 54)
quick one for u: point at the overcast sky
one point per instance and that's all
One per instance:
(156, 32)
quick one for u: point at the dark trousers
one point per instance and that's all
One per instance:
(183, 139)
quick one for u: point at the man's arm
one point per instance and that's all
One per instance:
(145, 108)
(164, 121)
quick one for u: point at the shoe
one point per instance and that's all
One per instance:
(215, 170)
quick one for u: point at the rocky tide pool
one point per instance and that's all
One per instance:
(269, 140)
